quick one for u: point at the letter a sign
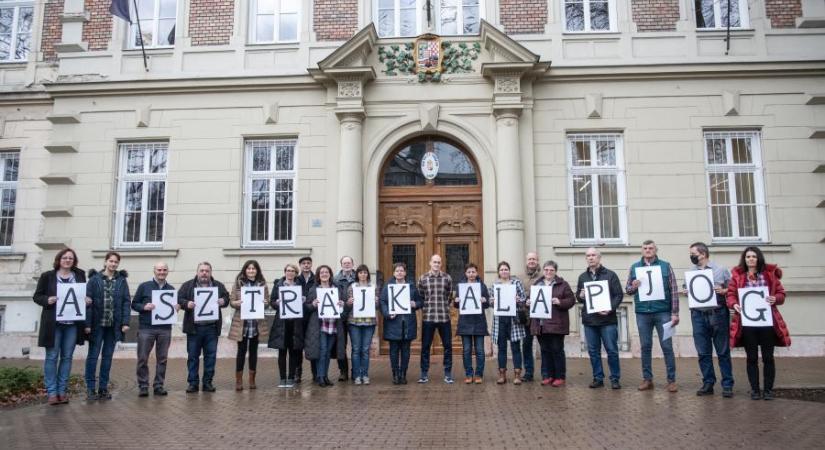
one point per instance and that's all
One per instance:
(71, 302)
(540, 302)
(252, 302)
(206, 304)
(469, 298)
(756, 312)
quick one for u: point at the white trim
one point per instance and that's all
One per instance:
(132, 29)
(252, 34)
(744, 16)
(271, 175)
(611, 16)
(16, 5)
(145, 177)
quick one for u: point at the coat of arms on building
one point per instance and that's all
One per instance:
(428, 54)
(428, 57)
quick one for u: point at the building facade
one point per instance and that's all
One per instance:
(271, 130)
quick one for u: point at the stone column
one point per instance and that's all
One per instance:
(350, 223)
(510, 221)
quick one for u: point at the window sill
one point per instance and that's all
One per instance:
(289, 45)
(614, 249)
(139, 252)
(13, 64)
(722, 32)
(150, 51)
(737, 247)
(585, 34)
(6, 255)
(269, 251)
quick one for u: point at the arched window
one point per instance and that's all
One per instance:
(454, 167)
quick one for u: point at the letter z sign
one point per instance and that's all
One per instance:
(206, 304)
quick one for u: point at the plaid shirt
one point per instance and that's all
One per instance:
(435, 289)
(108, 318)
(517, 330)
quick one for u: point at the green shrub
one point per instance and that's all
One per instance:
(15, 381)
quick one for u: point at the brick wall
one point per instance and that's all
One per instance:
(655, 15)
(523, 16)
(211, 21)
(52, 29)
(334, 20)
(97, 31)
(783, 12)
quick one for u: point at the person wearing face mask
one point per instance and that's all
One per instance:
(711, 325)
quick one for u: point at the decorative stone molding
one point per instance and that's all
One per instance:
(349, 226)
(349, 89)
(428, 114)
(593, 106)
(61, 147)
(143, 116)
(508, 85)
(66, 118)
(730, 103)
(502, 225)
(271, 113)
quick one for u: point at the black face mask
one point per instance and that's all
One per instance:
(694, 259)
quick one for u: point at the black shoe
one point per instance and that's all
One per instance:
(144, 392)
(727, 392)
(343, 377)
(320, 382)
(396, 379)
(104, 394)
(189, 390)
(208, 387)
(706, 389)
(614, 384)
(596, 384)
(756, 395)
(327, 382)
(160, 391)
(767, 395)
(527, 378)
(91, 396)
(297, 379)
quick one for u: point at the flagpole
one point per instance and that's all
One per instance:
(727, 37)
(140, 33)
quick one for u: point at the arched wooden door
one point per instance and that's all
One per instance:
(420, 217)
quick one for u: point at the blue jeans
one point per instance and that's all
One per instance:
(56, 377)
(607, 335)
(710, 330)
(204, 339)
(527, 353)
(427, 335)
(327, 342)
(646, 322)
(103, 338)
(468, 342)
(504, 333)
(360, 337)
(400, 357)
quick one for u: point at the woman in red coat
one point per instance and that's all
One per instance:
(753, 272)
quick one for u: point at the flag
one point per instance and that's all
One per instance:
(120, 8)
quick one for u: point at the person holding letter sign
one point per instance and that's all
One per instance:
(601, 328)
(436, 287)
(247, 333)
(652, 312)
(154, 335)
(400, 328)
(287, 334)
(306, 278)
(471, 299)
(106, 322)
(59, 337)
(200, 297)
(361, 300)
(551, 331)
(506, 325)
(753, 272)
(706, 287)
(342, 279)
(322, 302)
(532, 273)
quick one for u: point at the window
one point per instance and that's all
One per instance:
(9, 163)
(269, 193)
(157, 23)
(598, 213)
(714, 13)
(398, 18)
(141, 194)
(274, 20)
(589, 15)
(735, 186)
(454, 167)
(15, 30)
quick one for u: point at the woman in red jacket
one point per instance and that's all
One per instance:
(753, 272)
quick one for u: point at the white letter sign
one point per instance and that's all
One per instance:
(399, 301)
(469, 298)
(540, 302)
(597, 296)
(505, 295)
(653, 285)
(700, 289)
(328, 303)
(363, 305)
(252, 302)
(290, 304)
(164, 312)
(756, 312)
(206, 304)
(71, 302)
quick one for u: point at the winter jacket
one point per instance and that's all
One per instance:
(739, 279)
(277, 334)
(186, 293)
(312, 337)
(402, 326)
(122, 302)
(236, 328)
(616, 295)
(653, 306)
(473, 324)
(47, 287)
(560, 322)
(143, 295)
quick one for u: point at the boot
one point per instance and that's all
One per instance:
(516, 376)
(502, 376)
(239, 381)
(252, 380)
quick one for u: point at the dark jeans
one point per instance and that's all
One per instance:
(646, 322)
(147, 338)
(468, 342)
(753, 338)
(553, 364)
(360, 337)
(102, 338)
(607, 335)
(504, 333)
(343, 363)
(288, 363)
(527, 354)
(251, 345)
(204, 339)
(428, 330)
(400, 356)
(711, 330)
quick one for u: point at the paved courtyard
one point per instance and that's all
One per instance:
(435, 415)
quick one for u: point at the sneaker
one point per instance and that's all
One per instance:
(646, 385)
(478, 380)
(706, 389)
(614, 384)
(767, 395)
(448, 379)
(365, 380)
(424, 379)
(558, 382)
(282, 384)
(546, 381)
(91, 396)
(357, 380)
(104, 394)
(727, 392)
(596, 384)
(468, 380)
(208, 387)
(290, 383)
(160, 391)
(756, 395)
(144, 392)
(192, 388)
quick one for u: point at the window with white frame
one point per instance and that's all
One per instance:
(598, 212)
(269, 192)
(16, 19)
(589, 15)
(141, 206)
(9, 163)
(157, 23)
(274, 21)
(714, 13)
(736, 191)
(398, 18)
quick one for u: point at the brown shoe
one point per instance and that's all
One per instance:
(478, 380)
(671, 387)
(646, 385)
(53, 400)
(517, 376)
(238, 381)
(63, 399)
(252, 380)
(502, 376)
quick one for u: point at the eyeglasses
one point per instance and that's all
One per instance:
(290, 270)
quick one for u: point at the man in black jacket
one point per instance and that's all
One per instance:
(201, 336)
(158, 336)
(307, 279)
(601, 328)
